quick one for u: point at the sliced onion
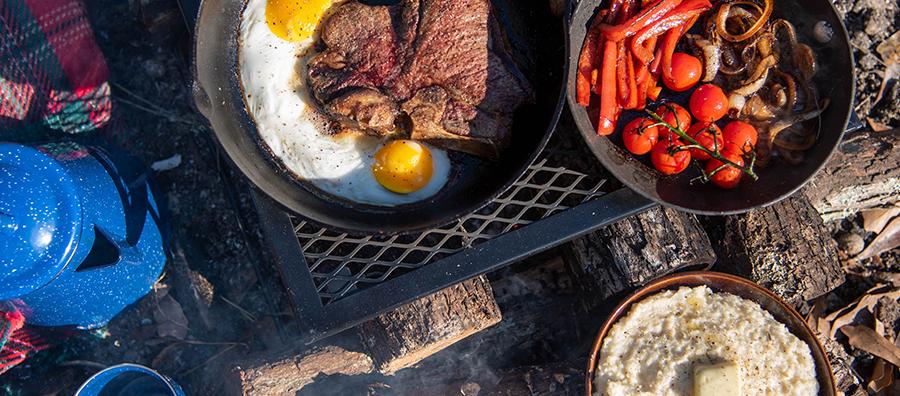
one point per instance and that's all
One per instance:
(725, 11)
(711, 58)
(756, 108)
(736, 104)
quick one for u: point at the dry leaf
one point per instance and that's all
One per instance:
(888, 239)
(877, 126)
(890, 54)
(170, 319)
(848, 314)
(882, 376)
(864, 338)
(874, 220)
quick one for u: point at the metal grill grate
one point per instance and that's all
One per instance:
(341, 264)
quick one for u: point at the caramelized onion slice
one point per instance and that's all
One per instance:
(724, 13)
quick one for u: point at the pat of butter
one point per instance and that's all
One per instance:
(721, 379)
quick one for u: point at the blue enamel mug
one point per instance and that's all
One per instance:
(129, 380)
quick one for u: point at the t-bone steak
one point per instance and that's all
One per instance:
(438, 68)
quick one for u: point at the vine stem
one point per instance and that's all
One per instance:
(695, 144)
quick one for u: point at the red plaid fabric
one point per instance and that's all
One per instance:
(53, 76)
(53, 80)
(16, 341)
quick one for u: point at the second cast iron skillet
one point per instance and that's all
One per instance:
(834, 80)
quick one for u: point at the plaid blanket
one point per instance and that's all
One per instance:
(16, 341)
(53, 84)
(53, 77)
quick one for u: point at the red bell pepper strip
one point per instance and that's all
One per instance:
(642, 94)
(606, 124)
(668, 47)
(657, 58)
(648, 16)
(675, 18)
(587, 62)
(632, 84)
(643, 70)
(622, 74)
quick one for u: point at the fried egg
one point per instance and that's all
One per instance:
(276, 39)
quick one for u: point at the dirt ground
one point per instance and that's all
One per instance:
(240, 307)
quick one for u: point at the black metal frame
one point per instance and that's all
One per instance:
(318, 321)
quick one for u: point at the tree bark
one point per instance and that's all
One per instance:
(864, 173)
(286, 375)
(405, 336)
(785, 248)
(638, 249)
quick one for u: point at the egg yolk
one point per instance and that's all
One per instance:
(403, 166)
(295, 20)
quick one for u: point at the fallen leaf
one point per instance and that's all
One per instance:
(874, 220)
(887, 239)
(170, 319)
(889, 49)
(864, 338)
(877, 126)
(882, 376)
(848, 314)
(890, 54)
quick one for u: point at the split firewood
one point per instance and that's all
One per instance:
(403, 337)
(862, 174)
(287, 374)
(638, 249)
(784, 247)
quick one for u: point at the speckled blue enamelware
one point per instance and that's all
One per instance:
(129, 380)
(79, 233)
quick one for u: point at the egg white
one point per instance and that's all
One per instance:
(272, 73)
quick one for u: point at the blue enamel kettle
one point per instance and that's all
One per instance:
(80, 235)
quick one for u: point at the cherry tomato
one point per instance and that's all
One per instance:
(729, 177)
(668, 159)
(709, 136)
(708, 103)
(741, 134)
(681, 114)
(639, 136)
(686, 71)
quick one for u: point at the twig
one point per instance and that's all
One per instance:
(83, 363)
(243, 311)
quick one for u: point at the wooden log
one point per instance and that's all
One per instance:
(863, 174)
(287, 374)
(638, 249)
(785, 248)
(403, 337)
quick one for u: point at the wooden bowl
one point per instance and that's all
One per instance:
(738, 286)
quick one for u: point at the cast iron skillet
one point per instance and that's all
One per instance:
(834, 80)
(538, 47)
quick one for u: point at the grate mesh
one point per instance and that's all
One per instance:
(341, 264)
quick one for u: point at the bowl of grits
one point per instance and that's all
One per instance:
(706, 333)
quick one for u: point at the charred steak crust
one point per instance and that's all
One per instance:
(440, 62)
